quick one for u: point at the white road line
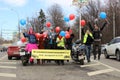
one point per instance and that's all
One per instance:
(99, 72)
(3, 57)
(11, 67)
(90, 65)
(108, 66)
(8, 75)
(8, 63)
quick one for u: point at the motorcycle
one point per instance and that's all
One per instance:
(26, 57)
(78, 52)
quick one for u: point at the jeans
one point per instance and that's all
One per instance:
(87, 52)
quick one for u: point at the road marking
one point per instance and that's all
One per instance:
(99, 72)
(90, 65)
(8, 63)
(108, 66)
(11, 67)
(7, 75)
(3, 57)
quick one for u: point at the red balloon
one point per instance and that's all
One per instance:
(45, 34)
(72, 16)
(48, 24)
(57, 29)
(82, 22)
(23, 39)
(67, 32)
(67, 36)
(70, 31)
(37, 35)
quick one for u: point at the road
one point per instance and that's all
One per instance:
(105, 69)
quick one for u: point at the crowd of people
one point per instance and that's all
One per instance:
(48, 40)
(53, 40)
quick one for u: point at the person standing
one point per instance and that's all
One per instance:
(96, 31)
(60, 45)
(88, 40)
(69, 40)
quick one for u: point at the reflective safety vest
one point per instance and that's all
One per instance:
(61, 42)
(86, 36)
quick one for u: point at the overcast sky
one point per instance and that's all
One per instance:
(11, 10)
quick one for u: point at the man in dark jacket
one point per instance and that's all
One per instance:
(96, 31)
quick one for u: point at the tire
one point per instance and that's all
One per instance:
(24, 61)
(18, 58)
(82, 62)
(106, 55)
(9, 57)
(118, 55)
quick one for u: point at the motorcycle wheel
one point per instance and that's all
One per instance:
(82, 62)
(24, 61)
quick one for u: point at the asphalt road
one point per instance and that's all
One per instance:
(105, 69)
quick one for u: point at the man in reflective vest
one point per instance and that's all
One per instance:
(88, 40)
(60, 45)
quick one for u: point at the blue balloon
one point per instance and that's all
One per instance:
(66, 19)
(103, 15)
(62, 33)
(22, 22)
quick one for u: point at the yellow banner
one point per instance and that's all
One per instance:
(51, 54)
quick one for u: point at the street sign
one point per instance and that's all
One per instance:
(79, 2)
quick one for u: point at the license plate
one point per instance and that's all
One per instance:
(81, 57)
(22, 53)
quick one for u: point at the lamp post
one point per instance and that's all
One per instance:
(80, 3)
(18, 22)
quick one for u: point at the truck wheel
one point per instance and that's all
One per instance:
(9, 57)
(82, 62)
(118, 55)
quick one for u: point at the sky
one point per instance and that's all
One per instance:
(11, 11)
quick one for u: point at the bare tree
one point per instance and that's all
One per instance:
(56, 15)
(37, 23)
(112, 8)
